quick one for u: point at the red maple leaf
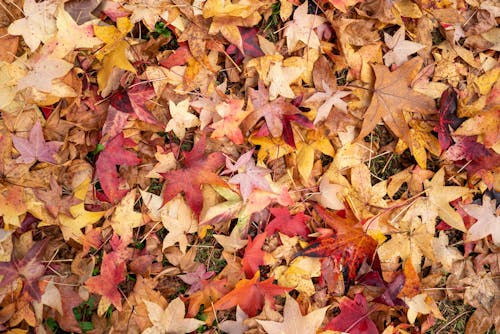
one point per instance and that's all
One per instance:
(250, 295)
(287, 224)
(132, 101)
(113, 269)
(254, 255)
(29, 269)
(114, 154)
(198, 169)
(353, 317)
(349, 246)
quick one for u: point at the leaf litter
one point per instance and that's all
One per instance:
(249, 167)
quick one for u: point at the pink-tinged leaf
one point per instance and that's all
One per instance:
(198, 169)
(287, 224)
(132, 101)
(277, 113)
(138, 95)
(254, 255)
(353, 317)
(196, 278)
(250, 177)
(115, 122)
(29, 269)
(178, 58)
(473, 155)
(36, 148)
(114, 154)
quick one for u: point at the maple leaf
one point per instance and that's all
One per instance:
(287, 224)
(412, 238)
(209, 292)
(38, 24)
(196, 278)
(439, 197)
(36, 148)
(313, 141)
(400, 48)
(254, 255)
(113, 54)
(249, 176)
(421, 304)
(113, 270)
(250, 294)
(391, 96)
(170, 320)
(54, 200)
(281, 77)
(250, 46)
(199, 169)
(114, 154)
(181, 118)
(70, 35)
(272, 112)
(327, 100)
(301, 29)
(178, 218)
(29, 269)
(232, 115)
(133, 101)
(348, 246)
(390, 293)
(124, 218)
(299, 273)
(43, 72)
(294, 321)
(353, 317)
(71, 225)
(235, 327)
(487, 220)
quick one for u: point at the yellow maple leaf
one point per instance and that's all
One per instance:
(314, 141)
(125, 219)
(439, 197)
(113, 54)
(274, 148)
(71, 227)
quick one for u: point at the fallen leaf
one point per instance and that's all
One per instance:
(250, 294)
(38, 24)
(35, 148)
(400, 48)
(294, 321)
(181, 118)
(487, 220)
(391, 96)
(354, 317)
(199, 168)
(170, 320)
(114, 154)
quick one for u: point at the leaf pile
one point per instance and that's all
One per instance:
(249, 166)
